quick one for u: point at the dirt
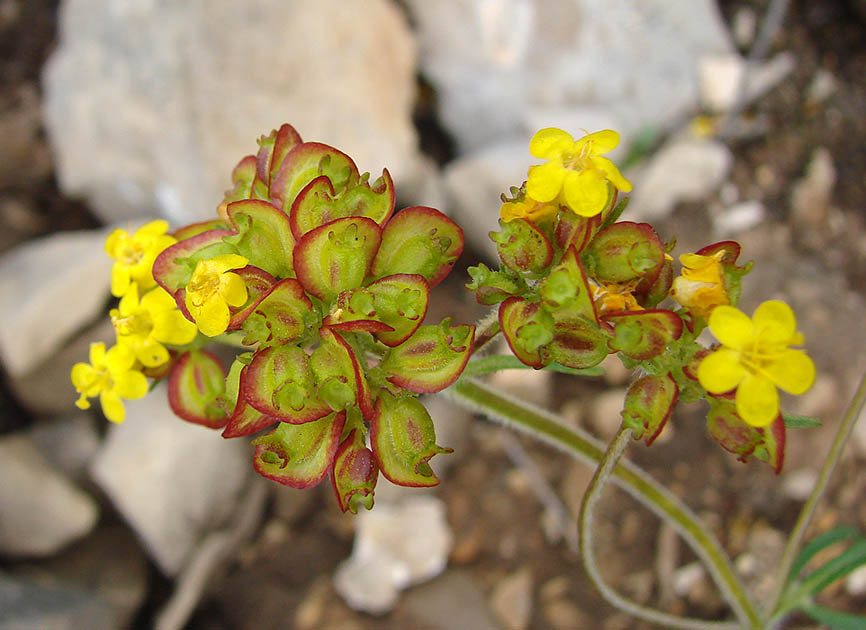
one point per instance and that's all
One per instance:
(496, 517)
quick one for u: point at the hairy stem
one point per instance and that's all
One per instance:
(587, 511)
(546, 427)
(486, 332)
(795, 540)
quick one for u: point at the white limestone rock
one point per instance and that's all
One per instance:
(170, 479)
(150, 104)
(49, 288)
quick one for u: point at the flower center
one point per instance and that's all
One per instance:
(578, 161)
(132, 325)
(131, 253)
(203, 286)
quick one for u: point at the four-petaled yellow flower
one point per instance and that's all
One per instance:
(144, 325)
(212, 290)
(109, 375)
(701, 287)
(528, 209)
(134, 255)
(575, 171)
(756, 357)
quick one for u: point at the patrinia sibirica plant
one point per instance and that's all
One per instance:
(307, 271)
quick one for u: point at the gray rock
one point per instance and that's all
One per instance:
(27, 606)
(149, 105)
(739, 217)
(720, 77)
(495, 62)
(454, 600)
(41, 511)
(171, 480)
(108, 565)
(511, 600)
(385, 560)
(72, 441)
(49, 288)
(684, 169)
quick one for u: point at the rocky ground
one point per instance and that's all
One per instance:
(157, 522)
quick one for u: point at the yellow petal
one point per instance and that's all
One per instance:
(159, 226)
(129, 302)
(599, 142)
(757, 400)
(233, 289)
(225, 262)
(793, 371)
(731, 326)
(213, 318)
(775, 322)
(84, 379)
(611, 172)
(114, 242)
(119, 279)
(97, 354)
(172, 327)
(132, 384)
(119, 359)
(545, 181)
(720, 371)
(585, 193)
(112, 407)
(151, 353)
(550, 142)
(158, 300)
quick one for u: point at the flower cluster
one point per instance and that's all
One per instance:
(145, 321)
(324, 287)
(576, 284)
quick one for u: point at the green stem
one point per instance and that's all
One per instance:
(582, 446)
(587, 511)
(795, 540)
(486, 331)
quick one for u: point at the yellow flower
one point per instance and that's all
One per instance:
(109, 375)
(575, 171)
(756, 357)
(701, 287)
(528, 209)
(134, 255)
(211, 291)
(144, 325)
(614, 298)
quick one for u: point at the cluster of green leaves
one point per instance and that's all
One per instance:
(338, 285)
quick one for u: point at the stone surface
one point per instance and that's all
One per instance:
(49, 288)
(684, 169)
(171, 480)
(720, 77)
(40, 511)
(739, 217)
(453, 600)
(495, 62)
(511, 600)
(150, 104)
(534, 386)
(69, 442)
(811, 195)
(28, 606)
(395, 546)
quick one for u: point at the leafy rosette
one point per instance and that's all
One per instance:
(328, 289)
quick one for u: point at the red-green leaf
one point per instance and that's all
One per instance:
(528, 328)
(194, 229)
(245, 419)
(354, 473)
(391, 308)
(173, 268)
(403, 440)
(339, 377)
(431, 359)
(643, 335)
(306, 162)
(336, 256)
(522, 246)
(264, 236)
(272, 150)
(318, 203)
(242, 180)
(728, 429)
(575, 231)
(567, 288)
(624, 251)
(279, 316)
(299, 455)
(577, 342)
(648, 405)
(196, 383)
(280, 383)
(419, 240)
